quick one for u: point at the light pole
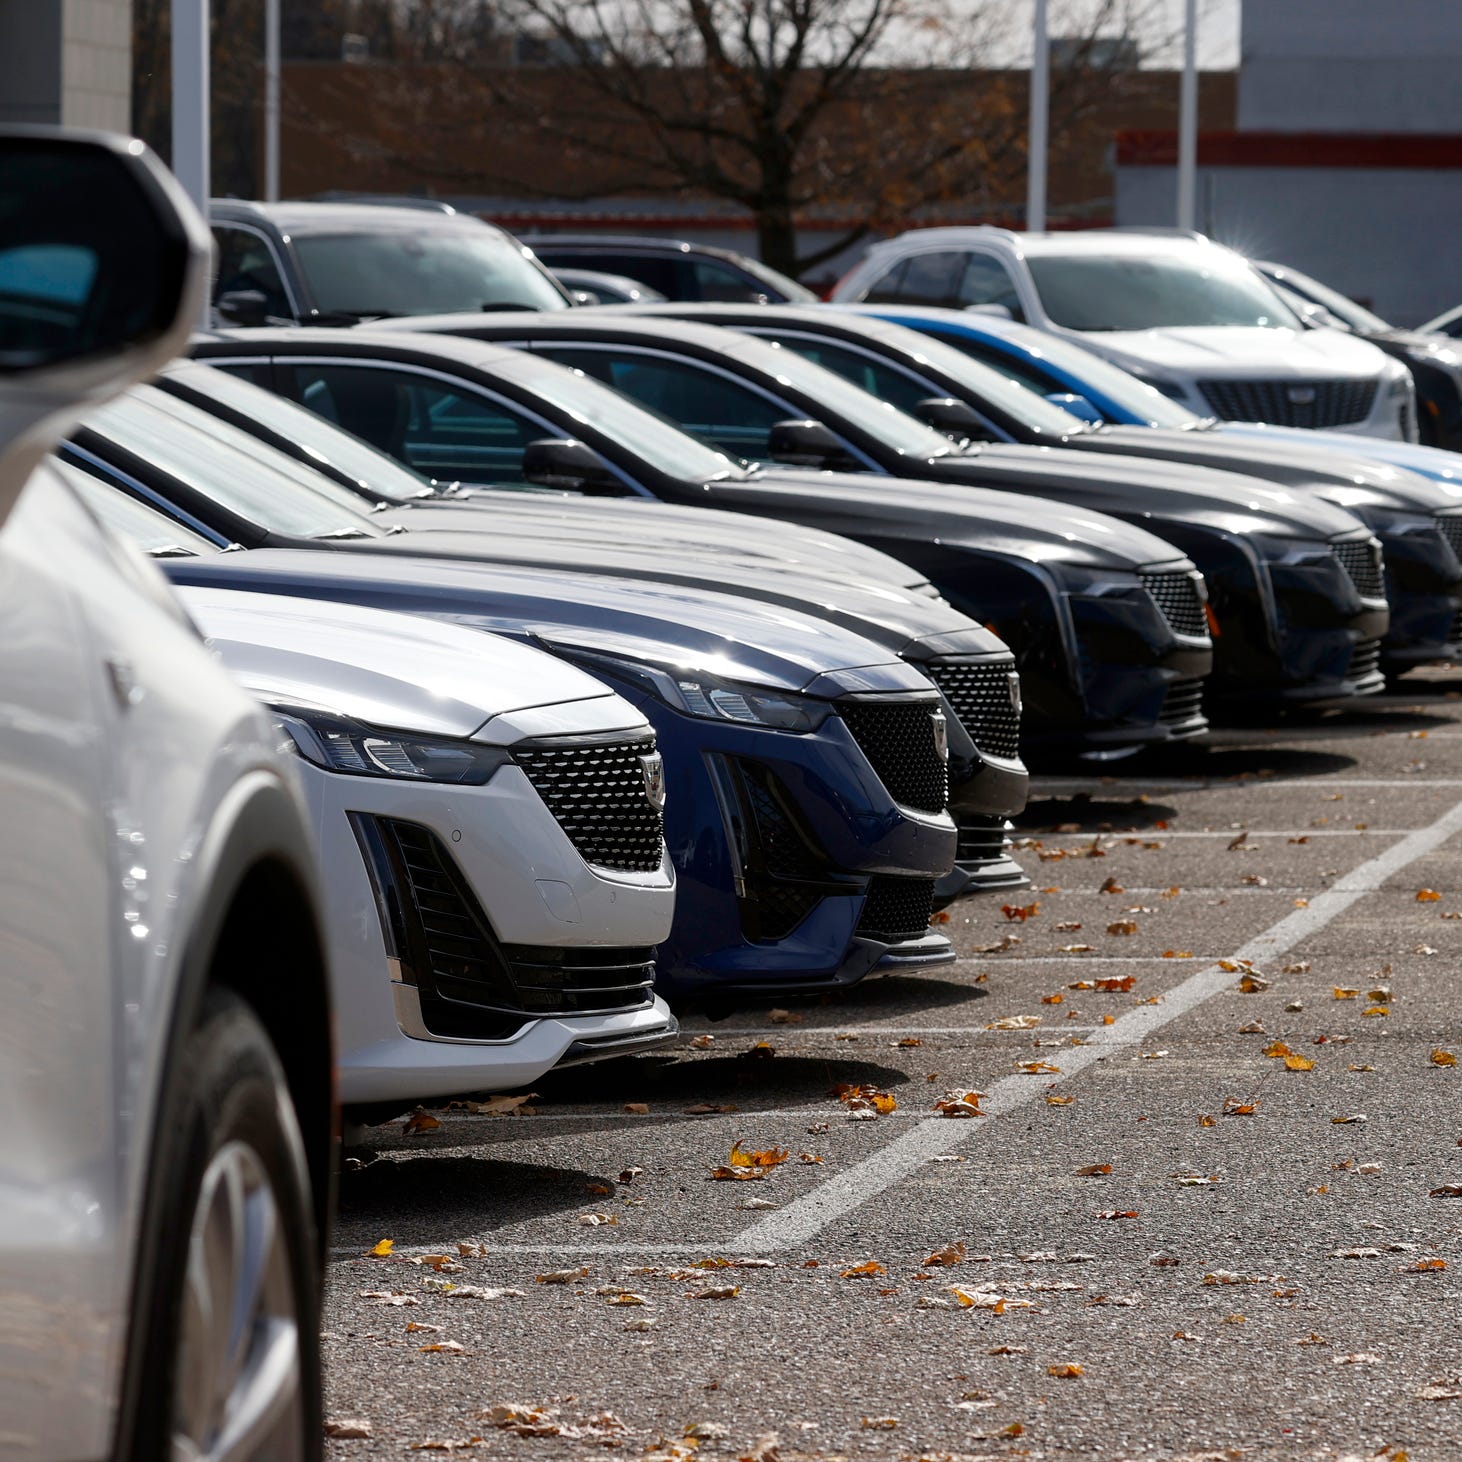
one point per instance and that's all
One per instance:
(1188, 120)
(271, 101)
(190, 99)
(1040, 98)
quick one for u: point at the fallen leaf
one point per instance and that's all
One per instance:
(1116, 1213)
(1428, 896)
(1195, 1180)
(639, 1109)
(1346, 1121)
(443, 1347)
(705, 1109)
(420, 1121)
(1183, 1335)
(388, 1297)
(562, 1276)
(1298, 1063)
(1377, 1010)
(1233, 1107)
(715, 1292)
(1253, 984)
(1094, 1170)
(1077, 948)
(498, 1106)
(863, 1271)
(949, 1255)
(703, 1042)
(1204, 1120)
(1438, 1393)
(1014, 1023)
(1447, 1190)
(1423, 1266)
(1038, 1068)
(1301, 967)
(1360, 1358)
(1443, 1058)
(416, 1326)
(348, 1428)
(785, 1017)
(1059, 1101)
(908, 1042)
(770, 1157)
(1057, 999)
(1177, 954)
(1117, 985)
(960, 1104)
(1020, 912)
(879, 1423)
(1067, 1372)
(382, 1248)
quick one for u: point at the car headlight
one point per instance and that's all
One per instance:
(1094, 583)
(1394, 524)
(342, 745)
(1306, 551)
(713, 697)
(1400, 385)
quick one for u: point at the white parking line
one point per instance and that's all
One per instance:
(806, 1217)
(841, 1032)
(1165, 834)
(1041, 785)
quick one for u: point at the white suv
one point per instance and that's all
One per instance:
(165, 1057)
(1175, 309)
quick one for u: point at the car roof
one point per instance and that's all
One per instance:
(1132, 241)
(360, 341)
(615, 241)
(635, 322)
(328, 218)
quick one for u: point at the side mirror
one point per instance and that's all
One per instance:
(103, 272)
(568, 465)
(809, 444)
(243, 307)
(1077, 406)
(954, 418)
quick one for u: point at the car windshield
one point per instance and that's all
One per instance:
(1345, 310)
(1090, 375)
(785, 285)
(1126, 291)
(150, 530)
(894, 429)
(428, 271)
(379, 477)
(237, 471)
(649, 435)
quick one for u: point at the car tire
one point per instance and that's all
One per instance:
(238, 1380)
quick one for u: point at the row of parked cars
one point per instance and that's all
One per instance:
(569, 666)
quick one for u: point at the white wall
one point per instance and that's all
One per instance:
(66, 62)
(1385, 236)
(1351, 66)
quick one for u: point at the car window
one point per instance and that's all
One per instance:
(238, 472)
(717, 281)
(723, 413)
(1155, 291)
(430, 425)
(877, 377)
(929, 279)
(136, 521)
(378, 475)
(986, 281)
(663, 274)
(426, 271)
(245, 261)
(885, 289)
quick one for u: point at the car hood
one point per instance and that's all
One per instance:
(1155, 491)
(1238, 350)
(952, 514)
(642, 526)
(696, 629)
(887, 613)
(399, 671)
(1442, 467)
(1341, 475)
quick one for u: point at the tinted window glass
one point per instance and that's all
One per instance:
(717, 281)
(1198, 287)
(447, 433)
(729, 416)
(233, 469)
(986, 281)
(663, 274)
(142, 524)
(246, 262)
(932, 279)
(877, 377)
(424, 271)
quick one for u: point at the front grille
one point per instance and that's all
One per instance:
(985, 696)
(897, 909)
(1177, 596)
(1365, 660)
(598, 794)
(1317, 403)
(1183, 701)
(898, 738)
(468, 983)
(1450, 527)
(1361, 559)
(1454, 635)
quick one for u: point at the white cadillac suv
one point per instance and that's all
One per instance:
(165, 1057)
(1182, 313)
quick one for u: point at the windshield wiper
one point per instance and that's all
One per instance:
(351, 317)
(172, 550)
(343, 533)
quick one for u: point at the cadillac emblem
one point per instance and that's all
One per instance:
(653, 769)
(1014, 684)
(941, 735)
(1301, 395)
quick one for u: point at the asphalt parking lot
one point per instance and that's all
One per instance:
(1263, 1258)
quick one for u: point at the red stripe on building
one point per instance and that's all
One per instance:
(1296, 149)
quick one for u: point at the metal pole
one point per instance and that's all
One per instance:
(1188, 120)
(271, 101)
(1035, 197)
(190, 99)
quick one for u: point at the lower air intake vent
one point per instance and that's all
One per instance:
(599, 792)
(1450, 527)
(1365, 660)
(985, 695)
(1361, 559)
(1182, 703)
(1177, 596)
(981, 839)
(1291, 403)
(898, 738)
(897, 909)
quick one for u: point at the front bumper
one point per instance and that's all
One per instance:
(795, 868)
(418, 957)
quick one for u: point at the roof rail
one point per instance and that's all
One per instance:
(1161, 229)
